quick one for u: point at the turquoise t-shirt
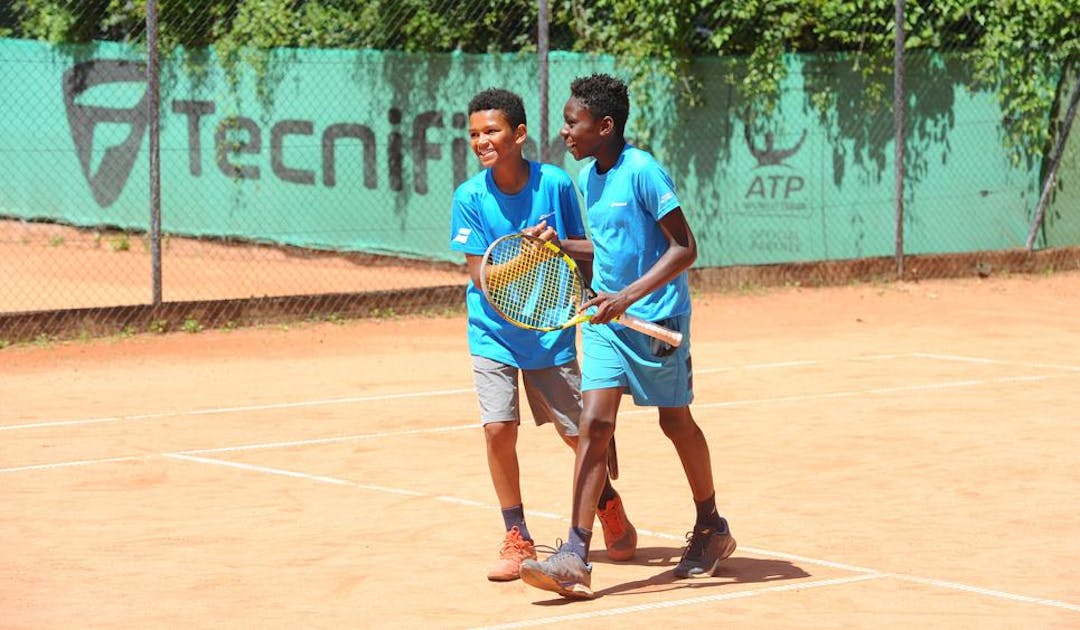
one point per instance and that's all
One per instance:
(624, 207)
(481, 213)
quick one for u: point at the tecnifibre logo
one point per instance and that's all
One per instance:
(117, 161)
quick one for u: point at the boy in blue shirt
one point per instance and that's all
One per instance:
(513, 194)
(641, 247)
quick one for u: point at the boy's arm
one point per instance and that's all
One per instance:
(578, 247)
(581, 250)
(680, 254)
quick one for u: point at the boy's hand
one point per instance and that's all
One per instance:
(544, 232)
(609, 307)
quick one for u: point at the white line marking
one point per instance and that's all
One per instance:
(333, 440)
(780, 364)
(83, 462)
(849, 394)
(60, 423)
(954, 357)
(757, 366)
(678, 603)
(266, 407)
(807, 560)
(330, 401)
(928, 386)
(985, 591)
(292, 473)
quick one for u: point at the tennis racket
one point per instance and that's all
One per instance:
(533, 284)
(612, 460)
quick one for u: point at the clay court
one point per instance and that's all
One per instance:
(889, 455)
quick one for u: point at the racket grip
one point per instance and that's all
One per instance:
(672, 337)
(612, 460)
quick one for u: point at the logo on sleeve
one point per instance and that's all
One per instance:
(462, 235)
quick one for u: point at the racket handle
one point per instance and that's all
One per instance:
(612, 460)
(672, 337)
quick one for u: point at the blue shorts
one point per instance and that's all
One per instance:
(615, 356)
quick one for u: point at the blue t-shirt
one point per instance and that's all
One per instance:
(482, 213)
(624, 207)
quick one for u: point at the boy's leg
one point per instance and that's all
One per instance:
(502, 460)
(517, 545)
(568, 572)
(711, 540)
(554, 395)
(497, 392)
(689, 441)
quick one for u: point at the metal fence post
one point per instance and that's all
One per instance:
(154, 116)
(898, 113)
(542, 54)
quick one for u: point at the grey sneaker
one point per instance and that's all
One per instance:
(704, 551)
(564, 573)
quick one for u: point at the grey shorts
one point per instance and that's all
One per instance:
(554, 393)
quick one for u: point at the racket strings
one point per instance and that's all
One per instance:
(532, 285)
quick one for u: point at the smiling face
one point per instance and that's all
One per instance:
(583, 134)
(492, 137)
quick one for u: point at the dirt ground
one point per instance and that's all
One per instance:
(47, 266)
(889, 455)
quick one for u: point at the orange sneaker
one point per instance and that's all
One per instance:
(620, 537)
(514, 550)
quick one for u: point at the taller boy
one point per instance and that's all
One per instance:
(641, 246)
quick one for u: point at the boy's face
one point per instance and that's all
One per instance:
(583, 134)
(492, 138)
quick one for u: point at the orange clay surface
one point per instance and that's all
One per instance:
(889, 456)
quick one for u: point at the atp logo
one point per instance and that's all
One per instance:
(775, 183)
(774, 189)
(117, 161)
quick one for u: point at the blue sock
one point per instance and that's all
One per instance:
(515, 516)
(578, 542)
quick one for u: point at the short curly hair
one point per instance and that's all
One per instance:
(603, 95)
(499, 99)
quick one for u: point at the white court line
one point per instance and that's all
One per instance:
(292, 473)
(758, 366)
(678, 603)
(330, 401)
(348, 400)
(83, 462)
(985, 591)
(863, 573)
(61, 423)
(333, 440)
(859, 392)
(963, 359)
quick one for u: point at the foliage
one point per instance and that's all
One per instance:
(1027, 52)
(1023, 48)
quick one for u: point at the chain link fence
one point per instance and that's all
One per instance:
(178, 165)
